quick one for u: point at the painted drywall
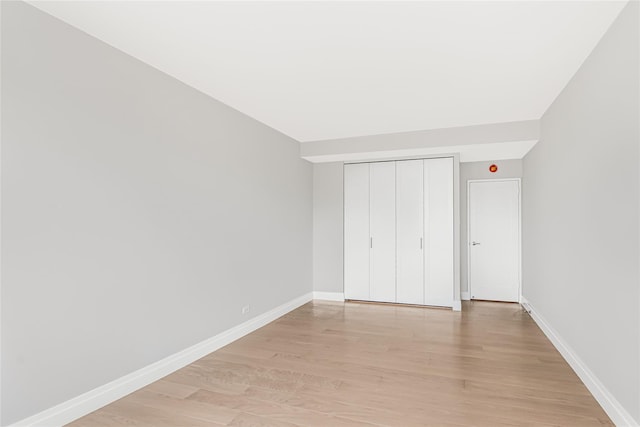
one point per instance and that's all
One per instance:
(479, 170)
(328, 218)
(333, 69)
(494, 141)
(328, 227)
(580, 213)
(138, 215)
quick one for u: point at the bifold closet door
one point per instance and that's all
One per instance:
(382, 243)
(356, 231)
(409, 231)
(438, 226)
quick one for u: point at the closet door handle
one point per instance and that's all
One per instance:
(421, 243)
(371, 242)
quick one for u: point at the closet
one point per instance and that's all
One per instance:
(398, 231)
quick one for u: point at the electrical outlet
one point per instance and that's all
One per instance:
(245, 309)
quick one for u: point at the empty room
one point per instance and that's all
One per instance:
(319, 213)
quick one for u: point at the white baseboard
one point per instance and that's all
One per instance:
(88, 402)
(328, 296)
(465, 296)
(609, 403)
(457, 306)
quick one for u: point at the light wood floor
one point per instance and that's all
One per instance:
(351, 364)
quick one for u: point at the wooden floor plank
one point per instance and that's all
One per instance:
(354, 364)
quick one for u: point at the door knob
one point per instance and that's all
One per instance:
(475, 243)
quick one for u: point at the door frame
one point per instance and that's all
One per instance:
(519, 181)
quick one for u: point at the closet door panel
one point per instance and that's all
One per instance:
(356, 231)
(383, 231)
(438, 183)
(409, 232)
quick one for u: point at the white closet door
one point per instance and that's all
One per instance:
(409, 235)
(383, 231)
(356, 231)
(438, 184)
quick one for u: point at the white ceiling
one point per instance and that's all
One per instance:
(324, 70)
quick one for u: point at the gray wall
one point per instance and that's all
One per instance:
(479, 170)
(138, 215)
(580, 213)
(328, 218)
(327, 227)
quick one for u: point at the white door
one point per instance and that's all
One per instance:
(409, 236)
(494, 240)
(356, 231)
(383, 231)
(438, 229)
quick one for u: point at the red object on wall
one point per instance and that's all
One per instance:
(493, 168)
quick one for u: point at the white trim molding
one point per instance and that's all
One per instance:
(328, 296)
(609, 403)
(465, 296)
(88, 402)
(457, 305)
